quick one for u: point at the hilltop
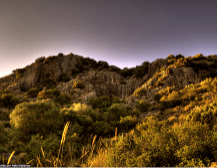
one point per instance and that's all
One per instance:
(172, 90)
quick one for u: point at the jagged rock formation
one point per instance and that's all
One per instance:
(99, 82)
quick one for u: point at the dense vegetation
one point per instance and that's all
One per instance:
(105, 132)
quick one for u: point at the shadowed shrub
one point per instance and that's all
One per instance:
(126, 72)
(78, 84)
(63, 78)
(142, 105)
(40, 59)
(33, 92)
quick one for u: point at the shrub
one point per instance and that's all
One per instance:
(179, 56)
(126, 72)
(142, 105)
(115, 112)
(102, 103)
(114, 69)
(7, 125)
(182, 62)
(23, 88)
(168, 71)
(63, 77)
(49, 59)
(72, 92)
(60, 55)
(81, 108)
(50, 93)
(103, 63)
(49, 83)
(3, 137)
(9, 100)
(198, 56)
(41, 117)
(205, 115)
(170, 56)
(19, 72)
(128, 122)
(78, 84)
(40, 59)
(4, 116)
(139, 92)
(50, 146)
(33, 92)
(140, 71)
(169, 104)
(157, 97)
(63, 98)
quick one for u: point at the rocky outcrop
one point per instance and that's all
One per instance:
(156, 66)
(98, 82)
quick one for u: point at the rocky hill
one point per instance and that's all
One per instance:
(99, 99)
(98, 78)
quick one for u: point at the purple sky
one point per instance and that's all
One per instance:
(124, 33)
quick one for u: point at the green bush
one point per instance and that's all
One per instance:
(3, 137)
(33, 92)
(102, 103)
(205, 115)
(4, 116)
(128, 122)
(115, 112)
(63, 98)
(40, 117)
(142, 105)
(189, 145)
(50, 146)
(50, 93)
(8, 100)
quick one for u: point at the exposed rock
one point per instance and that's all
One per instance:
(98, 83)
(156, 66)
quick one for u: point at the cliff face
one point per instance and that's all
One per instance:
(100, 82)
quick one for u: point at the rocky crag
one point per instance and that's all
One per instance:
(98, 78)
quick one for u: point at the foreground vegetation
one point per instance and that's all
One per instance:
(106, 133)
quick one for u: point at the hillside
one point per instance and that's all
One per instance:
(173, 99)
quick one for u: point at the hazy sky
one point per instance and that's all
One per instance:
(124, 33)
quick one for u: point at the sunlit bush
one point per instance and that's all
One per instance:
(40, 117)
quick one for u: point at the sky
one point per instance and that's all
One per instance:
(124, 33)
